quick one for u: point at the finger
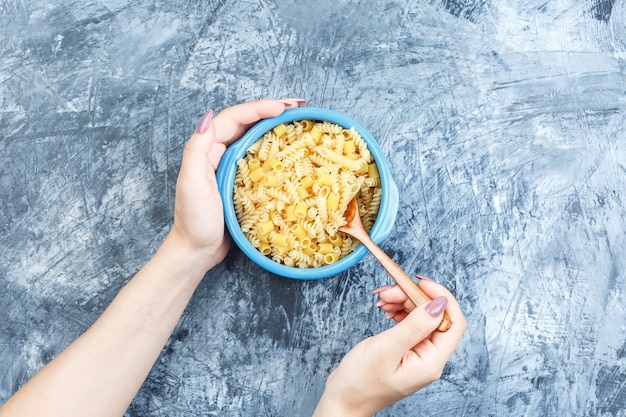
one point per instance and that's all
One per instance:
(293, 102)
(217, 151)
(417, 326)
(395, 295)
(381, 289)
(195, 162)
(397, 316)
(204, 136)
(446, 342)
(228, 126)
(231, 123)
(397, 312)
(390, 307)
(436, 290)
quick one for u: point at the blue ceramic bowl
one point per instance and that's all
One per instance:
(226, 181)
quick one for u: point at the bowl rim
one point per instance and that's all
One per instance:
(227, 170)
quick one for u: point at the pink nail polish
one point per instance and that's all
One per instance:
(435, 307)
(380, 303)
(203, 126)
(291, 103)
(297, 99)
(381, 289)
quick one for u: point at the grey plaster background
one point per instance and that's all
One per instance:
(505, 126)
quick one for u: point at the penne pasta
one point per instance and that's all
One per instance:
(344, 161)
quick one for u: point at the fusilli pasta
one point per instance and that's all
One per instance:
(293, 185)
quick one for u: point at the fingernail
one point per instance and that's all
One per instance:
(380, 303)
(291, 103)
(381, 289)
(203, 126)
(436, 306)
(299, 101)
(421, 277)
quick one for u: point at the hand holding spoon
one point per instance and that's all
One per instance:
(355, 228)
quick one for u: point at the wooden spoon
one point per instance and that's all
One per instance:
(412, 290)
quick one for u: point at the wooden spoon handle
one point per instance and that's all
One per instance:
(410, 288)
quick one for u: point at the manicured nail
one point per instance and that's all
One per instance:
(291, 103)
(203, 126)
(436, 306)
(299, 101)
(381, 289)
(422, 277)
(380, 303)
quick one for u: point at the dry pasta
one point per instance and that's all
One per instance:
(293, 185)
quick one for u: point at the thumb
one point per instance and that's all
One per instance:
(203, 138)
(195, 162)
(417, 326)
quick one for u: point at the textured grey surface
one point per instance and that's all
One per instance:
(504, 124)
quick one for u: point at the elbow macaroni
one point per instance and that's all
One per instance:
(293, 185)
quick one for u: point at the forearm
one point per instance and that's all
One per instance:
(100, 373)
